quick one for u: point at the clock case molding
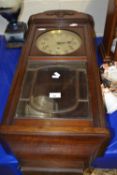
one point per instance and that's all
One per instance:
(65, 145)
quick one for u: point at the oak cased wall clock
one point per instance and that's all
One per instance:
(54, 120)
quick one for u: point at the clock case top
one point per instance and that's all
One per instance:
(84, 133)
(62, 20)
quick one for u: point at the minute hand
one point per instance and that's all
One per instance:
(67, 42)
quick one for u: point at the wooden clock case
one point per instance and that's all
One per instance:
(57, 145)
(110, 33)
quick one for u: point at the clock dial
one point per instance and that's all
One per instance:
(58, 42)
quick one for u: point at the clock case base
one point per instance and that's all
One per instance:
(51, 173)
(56, 151)
(57, 145)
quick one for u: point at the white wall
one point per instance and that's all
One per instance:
(97, 8)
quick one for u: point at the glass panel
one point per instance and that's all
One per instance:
(54, 91)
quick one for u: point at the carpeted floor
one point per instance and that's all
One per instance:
(100, 172)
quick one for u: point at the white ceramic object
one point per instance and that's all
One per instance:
(109, 74)
(110, 100)
(109, 85)
(14, 4)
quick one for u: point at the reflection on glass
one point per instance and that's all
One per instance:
(54, 91)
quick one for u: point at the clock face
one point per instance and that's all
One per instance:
(58, 42)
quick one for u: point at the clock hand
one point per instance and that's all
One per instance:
(64, 42)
